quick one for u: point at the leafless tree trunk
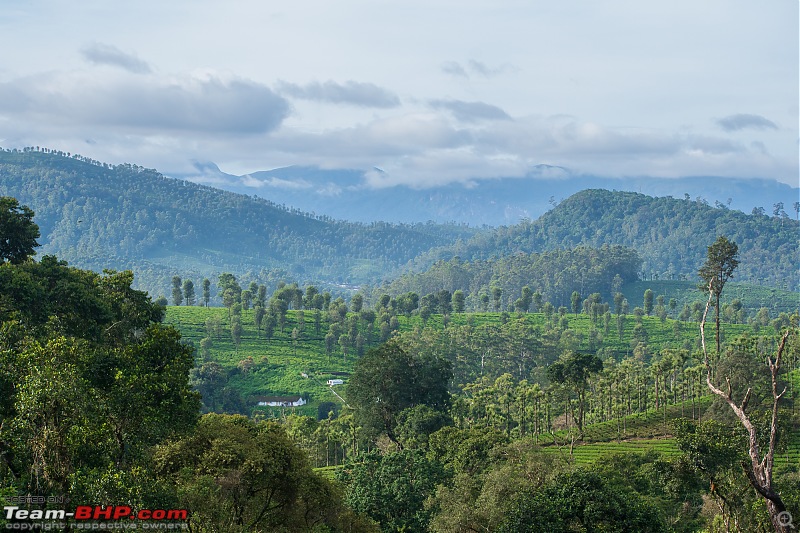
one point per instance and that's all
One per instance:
(759, 472)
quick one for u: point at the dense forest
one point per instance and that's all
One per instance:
(670, 235)
(127, 217)
(498, 283)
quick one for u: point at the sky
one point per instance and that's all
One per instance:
(429, 92)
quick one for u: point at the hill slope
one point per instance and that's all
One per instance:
(126, 217)
(671, 236)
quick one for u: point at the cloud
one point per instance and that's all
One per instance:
(106, 54)
(206, 104)
(471, 111)
(473, 67)
(484, 70)
(274, 182)
(454, 69)
(743, 121)
(352, 93)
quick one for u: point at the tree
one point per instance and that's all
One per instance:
(227, 282)
(581, 501)
(573, 371)
(247, 298)
(236, 331)
(575, 301)
(759, 471)
(206, 291)
(648, 302)
(177, 294)
(497, 294)
(458, 301)
(238, 475)
(357, 302)
(388, 380)
(188, 292)
(392, 488)
(18, 232)
(525, 300)
(90, 379)
(717, 270)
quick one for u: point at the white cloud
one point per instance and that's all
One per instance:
(274, 182)
(203, 105)
(351, 92)
(471, 111)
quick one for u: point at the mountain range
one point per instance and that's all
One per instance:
(359, 195)
(100, 216)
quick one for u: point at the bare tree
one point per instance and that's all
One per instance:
(759, 471)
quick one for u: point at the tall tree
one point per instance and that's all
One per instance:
(497, 294)
(717, 270)
(206, 291)
(573, 371)
(188, 292)
(759, 471)
(648, 302)
(177, 294)
(458, 301)
(575, 300)
(18, 232)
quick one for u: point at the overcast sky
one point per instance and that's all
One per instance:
(430, 92)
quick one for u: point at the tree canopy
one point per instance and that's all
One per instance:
(388, 380)
(18, 232)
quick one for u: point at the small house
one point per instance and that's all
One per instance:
(280, 401)
(332, 382)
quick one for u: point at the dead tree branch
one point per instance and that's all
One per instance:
(759, 471)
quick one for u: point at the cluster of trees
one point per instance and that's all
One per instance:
(500, 283)
(97, 407)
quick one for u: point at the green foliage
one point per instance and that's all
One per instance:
(392, 488)
(670, 235)
(388, 380)
(101, 216)
(90, 378)
(238, 475)
(581, 501)
(554, 274)
(18, 233)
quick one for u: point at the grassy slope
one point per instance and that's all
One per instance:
(280, 362)
(685, 292)
(648, 431)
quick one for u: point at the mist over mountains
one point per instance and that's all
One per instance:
(353, 194)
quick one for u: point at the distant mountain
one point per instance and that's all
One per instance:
(344, 194)
(671, 236)
(127, 217)
(99, 216)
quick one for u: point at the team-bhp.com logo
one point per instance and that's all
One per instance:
(96, 517)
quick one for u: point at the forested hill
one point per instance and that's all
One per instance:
(99, 216)
(670, 235)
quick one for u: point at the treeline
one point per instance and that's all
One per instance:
(498, 283)
(670, 235)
